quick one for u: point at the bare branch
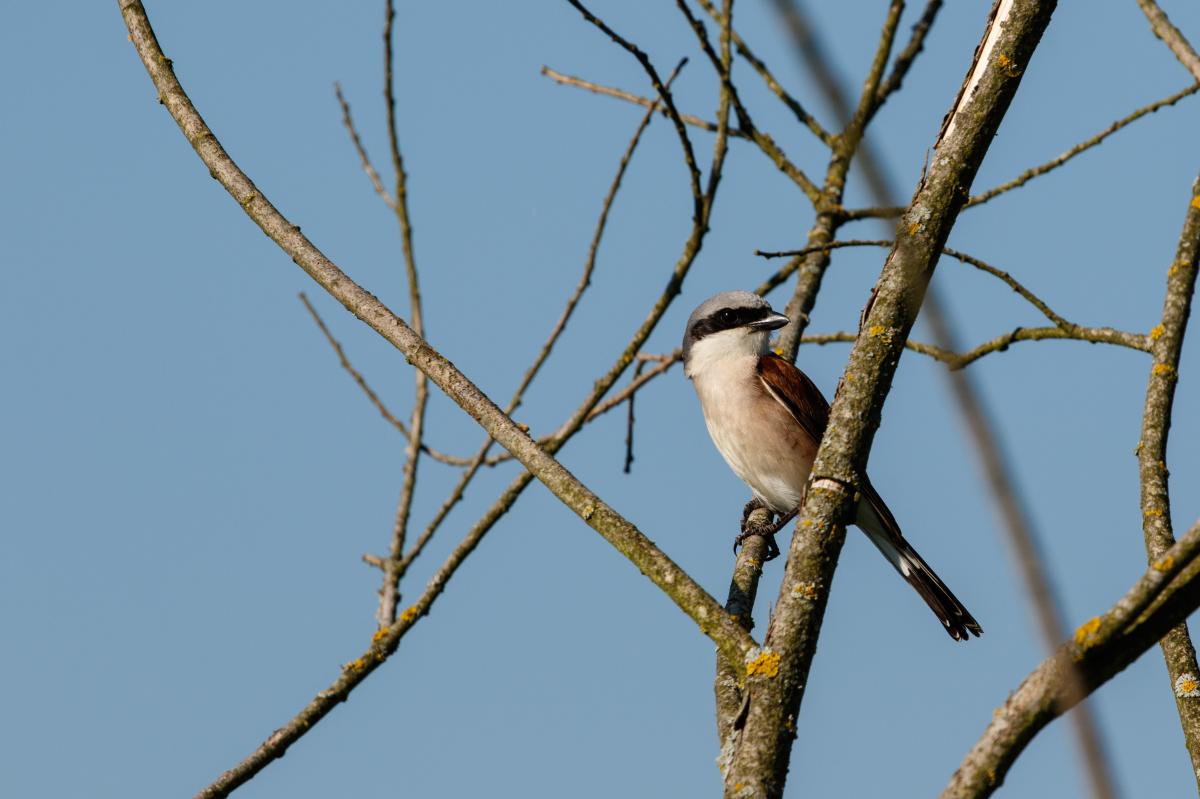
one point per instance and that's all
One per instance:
(811, 267)
(1165, 595)
(1069, 329)
(338, 350)
(762, 139)
(792, 104)
(1087, 144)
(884, 212)
(389, 595)
(906, 57)
(696, 603)
(1166, 344)
(664, 94)
(1171, 36)
(636, 99)
(364, 159)
(480, 457)
(759, 761)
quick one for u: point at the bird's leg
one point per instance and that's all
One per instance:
(767, 531)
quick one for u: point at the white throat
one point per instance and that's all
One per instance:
(718, 351)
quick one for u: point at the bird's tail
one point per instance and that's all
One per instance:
(880, 526)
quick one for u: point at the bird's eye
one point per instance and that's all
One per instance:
(726, 316)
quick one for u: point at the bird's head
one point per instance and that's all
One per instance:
(730, 324)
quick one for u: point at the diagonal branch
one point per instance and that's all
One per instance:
(624, 536)
(1171, 36)
(1164, 596)
(758, 765)
(890, 211)
(730, 638)
(481, 457)
(363, 158)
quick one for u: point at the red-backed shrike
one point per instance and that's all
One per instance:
(767, 418)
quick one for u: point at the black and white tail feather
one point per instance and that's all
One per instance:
(877, 522)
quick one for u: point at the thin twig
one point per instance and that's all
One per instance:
(360, 381)
(791, 103)
(364, 159)
(629, 420)
(906, 57)
(1110, 336)
(664, 94)
(892, 211)
(764, 141)
(636, 99)
(389, 594)
(1000, 343)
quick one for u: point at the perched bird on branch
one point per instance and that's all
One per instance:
(767, 418)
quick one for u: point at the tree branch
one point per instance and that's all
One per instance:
(1105, 335)
(1165, 595)
(389, 593)
(906, 57)
(1171, 36)
(791, 103)
(775, 686)
(891, 211)
(626, 538)
(1166, 344)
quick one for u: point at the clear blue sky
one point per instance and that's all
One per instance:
(189, 479)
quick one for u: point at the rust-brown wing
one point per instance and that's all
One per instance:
(796, 392)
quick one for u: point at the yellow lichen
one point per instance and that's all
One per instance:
(805, 591)
(765, 662)
(1086, 631)
(1008, 64)
(1187, 686)
(1196, 201)
(913, 228)
(1154, 513)
(1164, 563)
(354, 665)
(1162, 369)
(409, 613)
(1156, 332)
(379, 635)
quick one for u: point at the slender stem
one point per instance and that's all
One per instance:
(885, 211)
(1166, 345)
(389, 594)
(906, 57)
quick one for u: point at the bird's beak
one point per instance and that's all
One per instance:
(772, 322)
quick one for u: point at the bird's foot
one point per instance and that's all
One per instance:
(766, 531)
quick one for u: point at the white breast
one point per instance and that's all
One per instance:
(754, 432)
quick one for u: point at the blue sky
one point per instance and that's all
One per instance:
(190, 479)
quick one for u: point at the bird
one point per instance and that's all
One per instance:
(766, 418)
